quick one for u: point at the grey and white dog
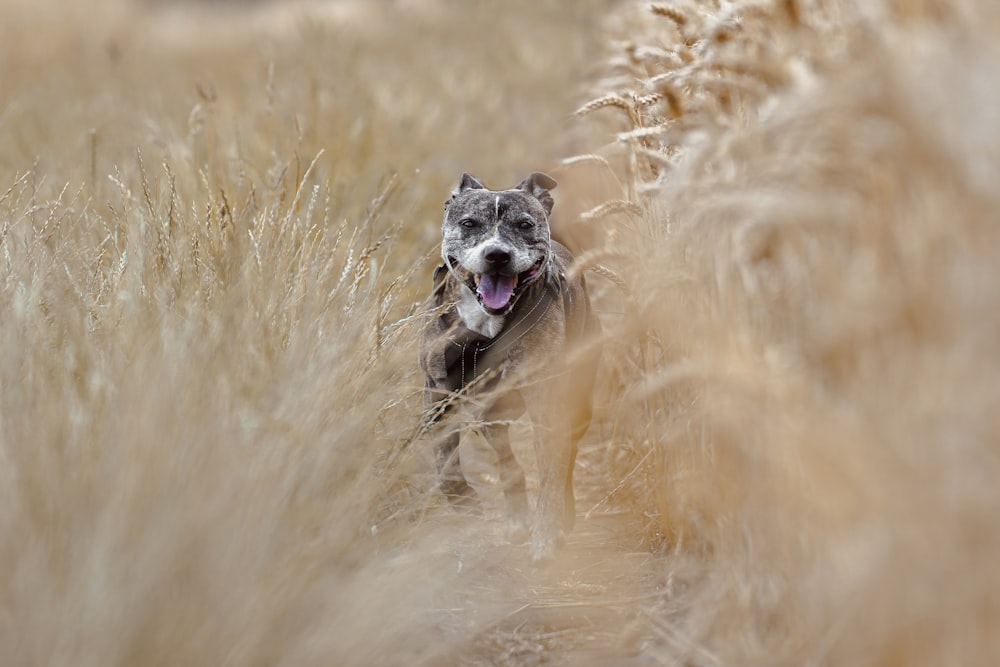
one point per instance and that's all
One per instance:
(506, 309)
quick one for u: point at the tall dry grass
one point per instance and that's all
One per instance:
(810, 413)
(215, 228)
(216, 225)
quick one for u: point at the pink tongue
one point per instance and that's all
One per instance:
(496, 290)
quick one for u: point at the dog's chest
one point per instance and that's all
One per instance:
(475, 318)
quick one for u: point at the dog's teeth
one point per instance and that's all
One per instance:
(515, 280)
(477, 277)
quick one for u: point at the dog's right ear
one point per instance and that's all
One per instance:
(468, 182)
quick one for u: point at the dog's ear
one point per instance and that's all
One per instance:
(538, 185)
(469, 182)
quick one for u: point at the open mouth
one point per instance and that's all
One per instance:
(497, 292)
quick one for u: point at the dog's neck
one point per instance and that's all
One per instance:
(474, 317)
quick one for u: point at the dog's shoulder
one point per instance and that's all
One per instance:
(435, 308)
(440, 282)
(580, 319)
(562, 258)
(435, 327)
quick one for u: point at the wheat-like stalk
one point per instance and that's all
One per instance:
(587, 159)
(610, 100)
(611, 208)
(669, 12)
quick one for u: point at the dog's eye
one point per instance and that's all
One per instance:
(525, 224)
(469, 223)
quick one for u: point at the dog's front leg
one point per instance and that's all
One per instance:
(452, 482)
(441, 423)
(511, 480)
(556, 507)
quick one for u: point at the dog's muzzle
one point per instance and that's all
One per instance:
(497, 291)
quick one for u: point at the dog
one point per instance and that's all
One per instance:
(505, 309)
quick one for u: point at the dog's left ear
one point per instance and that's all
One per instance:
(538, 185)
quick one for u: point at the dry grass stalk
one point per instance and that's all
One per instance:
(670, 12)
(611, 100)
(611, 208)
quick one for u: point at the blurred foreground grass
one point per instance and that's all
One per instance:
(216, 223)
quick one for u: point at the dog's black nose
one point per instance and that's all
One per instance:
(497, 258)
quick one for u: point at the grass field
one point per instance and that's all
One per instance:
(217, 223)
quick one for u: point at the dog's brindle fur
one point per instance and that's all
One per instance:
(506, 309)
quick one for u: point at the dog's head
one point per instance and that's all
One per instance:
(497, 242)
